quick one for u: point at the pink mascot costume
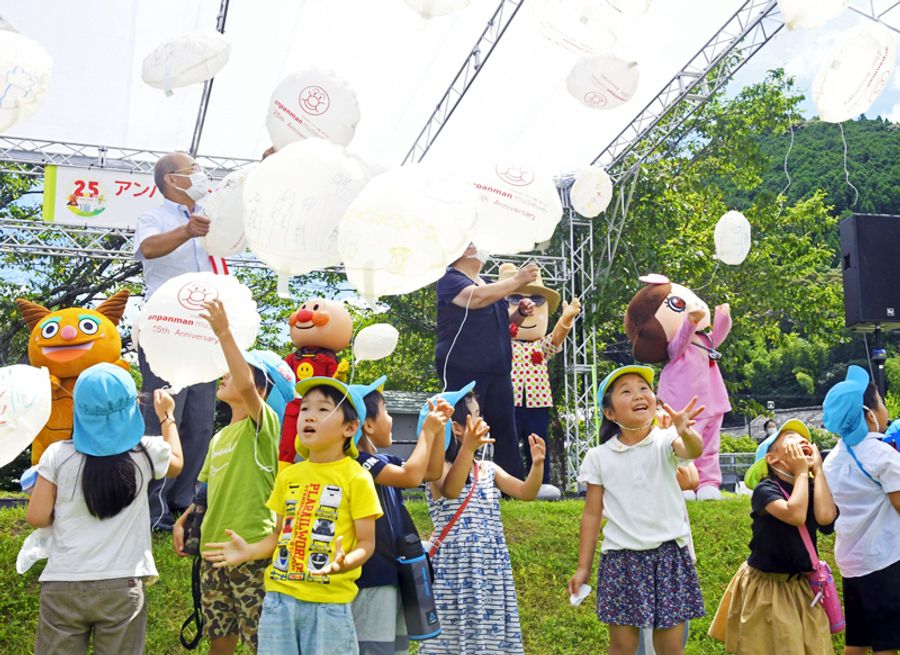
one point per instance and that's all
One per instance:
(668, 324)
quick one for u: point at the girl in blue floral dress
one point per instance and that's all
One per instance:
(473, 581)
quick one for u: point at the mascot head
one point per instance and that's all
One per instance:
(545, 303)
(70, 340)
(321, 323)
(655, 315)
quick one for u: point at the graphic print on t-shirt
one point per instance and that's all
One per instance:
(305, 546)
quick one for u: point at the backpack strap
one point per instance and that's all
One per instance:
(861, 467)
(804, 535)
(196, 616)
(436, 544)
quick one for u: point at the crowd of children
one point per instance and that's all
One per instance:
(305, 559)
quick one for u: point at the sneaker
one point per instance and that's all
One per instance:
(709, 492)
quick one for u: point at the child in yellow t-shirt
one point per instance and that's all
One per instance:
(326, 507)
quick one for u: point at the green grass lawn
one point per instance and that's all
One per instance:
(543, 540)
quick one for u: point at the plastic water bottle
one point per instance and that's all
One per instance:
(416, 590)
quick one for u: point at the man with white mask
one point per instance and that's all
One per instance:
(167, 242)
(473, 318)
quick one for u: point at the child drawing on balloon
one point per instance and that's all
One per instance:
(646, 577)
(473, 583)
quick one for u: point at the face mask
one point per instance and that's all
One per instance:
(770, 431)
(481, 255)
(199, 185)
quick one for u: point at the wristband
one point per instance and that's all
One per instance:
(166, 418)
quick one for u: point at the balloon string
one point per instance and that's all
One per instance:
(787, 173)
(847, 170)
(712, 277)
(458, 332)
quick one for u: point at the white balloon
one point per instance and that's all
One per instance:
(312, 103)
(732, 237)
(25, 402)
(185, 60)
(293, 202)
(518, 207)
(581, 26)
(375, 342)
(855, 72)
(25, 71)
(431, 8)
(225, 209)
(603, 82)
(591, 192)
(181, 347)
(404, 229)
(809, 14)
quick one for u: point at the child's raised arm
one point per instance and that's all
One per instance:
(164, 406)
(588, 535)
(529, 488)
(238, 368)
(689, 444)
(474, 437)
(411, 473)
(823, 502)
(793, 511)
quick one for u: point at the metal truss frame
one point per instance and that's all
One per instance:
(477, 57)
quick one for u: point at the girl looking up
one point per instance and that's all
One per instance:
(646, 577)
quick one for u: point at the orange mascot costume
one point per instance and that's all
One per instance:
(67, 342)
(320, 329)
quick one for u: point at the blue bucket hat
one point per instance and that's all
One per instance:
(842, 411)
(760, 468)
(452, 397)
(280, 376)
(365, 389)
(352, 395)
(106, 416)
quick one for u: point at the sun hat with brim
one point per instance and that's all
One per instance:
(842, 410)
(760, 469)
(280, 376)
(106, 417)
(537, 288)
(351, 395)
(452, 397)
(644, 371)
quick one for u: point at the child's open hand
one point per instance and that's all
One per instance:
(814, 459)
(227, 553)
(684, 420)
(163, 403)
(216, 317)
(795, 460)
(476, 433)
(538, 449)
(439, 413)
(337, 564)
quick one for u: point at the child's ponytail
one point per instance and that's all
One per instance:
(110, 483)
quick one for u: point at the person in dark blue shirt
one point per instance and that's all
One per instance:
(473, 343)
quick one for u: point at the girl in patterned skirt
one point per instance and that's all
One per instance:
(646, 577)
(473, 581)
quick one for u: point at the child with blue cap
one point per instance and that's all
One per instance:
(92, 491)
(239, 474)
(378, 608)
(325, 508)
(474, 590)
(769, 606)
(864, 475)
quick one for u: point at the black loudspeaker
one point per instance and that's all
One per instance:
(870, 250)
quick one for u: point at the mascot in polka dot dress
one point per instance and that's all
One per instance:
(532, 348)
